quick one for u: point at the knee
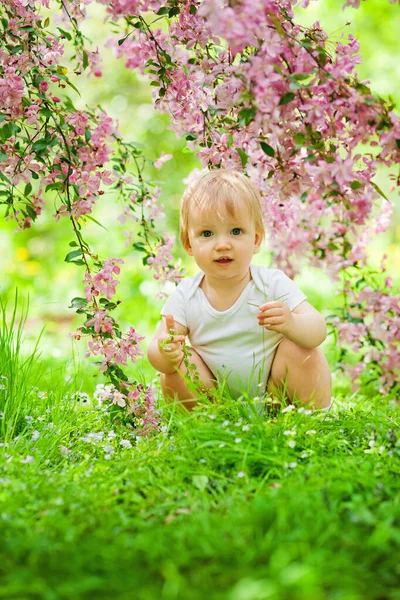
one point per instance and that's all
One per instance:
(289, 354)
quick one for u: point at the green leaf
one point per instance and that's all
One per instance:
(173, 11)
(247, 115)
(267, 149)
(85, 60)
(192, 9)
(54, 186)
(78, 302)
(71, 255)
(163, 10)
(31, 212)
(28, 189)
(299, 138)
(355, 185)
(378, 189)
(73, 244)
(3, 117)
(3, 156)
(286, 98)
(243, 156)
(94, 221)
(200, 482)
(65, 33)
(88, 135)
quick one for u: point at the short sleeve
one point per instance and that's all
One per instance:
(176, 306)
(283, 288)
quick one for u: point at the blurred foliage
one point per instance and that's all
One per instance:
(33, 260)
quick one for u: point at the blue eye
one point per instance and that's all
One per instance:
(207, 233)
(236, 231)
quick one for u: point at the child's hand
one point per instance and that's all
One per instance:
(276, 316)
(170, 343)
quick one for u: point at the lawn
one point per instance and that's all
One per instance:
(223, 502)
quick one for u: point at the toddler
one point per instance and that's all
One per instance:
(247, 325)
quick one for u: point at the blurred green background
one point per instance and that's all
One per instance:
(33, 260)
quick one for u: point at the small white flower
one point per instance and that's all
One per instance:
(202, 460)
(112, 434)
(64, 451)
(289, 408)
(212, 416)
(221, 445)
(289, 432)
(293, 465)
(291, 443)
(238, 440)
(35, 435)
(241, 474)
(27, 460)
(126, 443)
(28, 419)
(372, 443)
(304, 455)
(40, 419)
(225, 423)
(2, 387)
(238, 424)
(245, 427)
(311, 432)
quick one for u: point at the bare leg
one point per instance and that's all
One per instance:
(302, 373)
(173, 385)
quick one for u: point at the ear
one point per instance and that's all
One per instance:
(258, 238)
(188, 247)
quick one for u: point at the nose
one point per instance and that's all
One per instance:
(222, 242)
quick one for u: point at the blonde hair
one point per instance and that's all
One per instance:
(221, 191)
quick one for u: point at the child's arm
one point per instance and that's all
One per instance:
(165, 350)
(304, 326)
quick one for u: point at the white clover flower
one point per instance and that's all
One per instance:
(304, 455)
(112, 434)
(238, 440)
(202, 460)
(245, 427)
(311, 432)
(126, 443)
(241, 474)
(35, 435)
(27, 460)
(225, 423)
(293, 465)
(28, 419)
(212, 416)
(64, 451)
(291, 443)
(221, 445)
(288, 408)
(289, 432)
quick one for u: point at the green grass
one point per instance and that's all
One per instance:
(222, 503)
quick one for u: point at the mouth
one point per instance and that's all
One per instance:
(224, 260)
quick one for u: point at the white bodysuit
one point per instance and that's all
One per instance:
(231, 342)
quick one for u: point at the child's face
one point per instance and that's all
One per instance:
(223, 248)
